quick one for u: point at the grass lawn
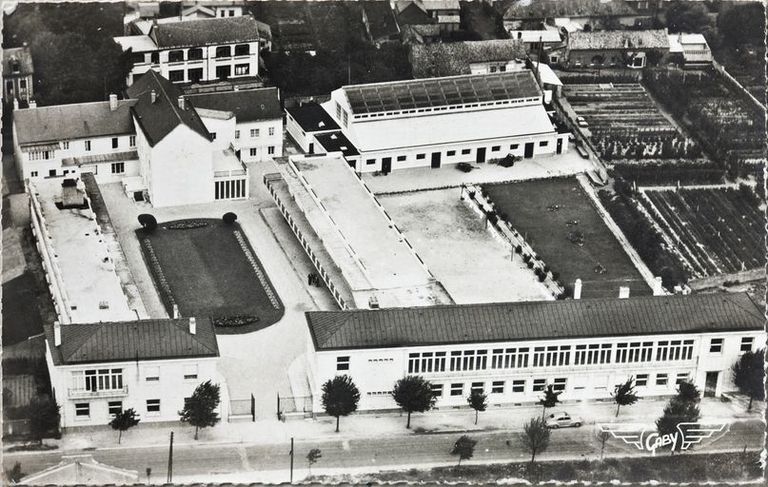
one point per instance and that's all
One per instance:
(555, 215)
(207, 271)
(21, 318)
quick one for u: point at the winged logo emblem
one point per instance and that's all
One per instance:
(645, 437)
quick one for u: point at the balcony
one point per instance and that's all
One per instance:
(103, 393)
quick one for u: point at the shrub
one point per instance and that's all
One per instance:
(492, 217)
(471, 194)
(526, 258)
(545, 268)
(229, 218)
(530, 264)
(518, 249)
(148, 222)
(464, 166)
(542, 276)
(234, 321)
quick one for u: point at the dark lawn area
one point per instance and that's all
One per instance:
(207, 272)
(551, 213)
(21, 318)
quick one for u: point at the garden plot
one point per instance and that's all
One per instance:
(462, 254)
(561, 224)
(626, 124)
(712, 231)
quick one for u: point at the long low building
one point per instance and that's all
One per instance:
(512, 351)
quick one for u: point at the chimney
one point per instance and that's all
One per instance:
(15, 103)
(181, 103)
(112, 102)
(623, 292)
(192, 326)
(56, 334)
(577, 289)
(658, 289)
(175, 311)
(152, 96)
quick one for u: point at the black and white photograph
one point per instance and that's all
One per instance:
(365, 242)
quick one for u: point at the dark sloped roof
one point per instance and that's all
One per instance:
(412, 14)
(454, 58)
(432, 325)
(540, 9)
(434, 92)
(132, 340)
(21, 55)
(247, 105)
(75, 121)
(311, 117)
(205, 32)
(158, 119)
(337, 142)
(620, 39)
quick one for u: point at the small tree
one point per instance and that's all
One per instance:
(123, 421)
(464, 448)
(229, 218)
(683, 408)
(549, 399)
(340, 397)
(749, 374)
(200, 409)
(603, 437)
(43, 417)
(414, 395)
(148, 221)
(535, 437)
(624, 394)
(15, 474)
(312, 457)
(478, 401)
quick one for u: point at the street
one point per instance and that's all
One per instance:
(208, 460)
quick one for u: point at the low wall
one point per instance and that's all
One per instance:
(736, 85)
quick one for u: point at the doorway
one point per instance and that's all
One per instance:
(435, 160)
(559, 146)
(311, 147)
(480, 154)
(386, 165)
(528, 150)
(710, 384)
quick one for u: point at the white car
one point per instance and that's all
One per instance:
(581, 122)
(563, 420)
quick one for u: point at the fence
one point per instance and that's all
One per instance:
(241, 408)
(293, 405)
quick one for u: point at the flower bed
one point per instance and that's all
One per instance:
(186, 225)
(234, 321)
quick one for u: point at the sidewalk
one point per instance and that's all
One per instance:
(391, 424)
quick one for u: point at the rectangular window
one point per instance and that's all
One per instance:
(271, 130)
(420, 156)
(118, 167)
(253, 151)
(254, 133)
(497, 387)
(681, 377)
(661, 379)
(518, 386)
(496, 148)
(543, 143)
(195, 75)
(237, 134)
(65, 145)
(52, 172)
(223, 72)
(242, 69)
(457, 389)
(190, 372)
(132, 141)
(646, 352)
(344, 118)
(641, 380)
(401, 158)
(342, 363)
(271, 150)
(242, 50)
(559, 384)
(621, 353)
(338, 110)
(716, 345)
(464, 152)
(83, 409)
(176, 76)
(450, 153)
(437, 390)
(153, 406)
(115, 407)
(477, 387)
(33, 174)
(223, 51)
(87, 145)
(370, 162)
(514, 146)
(746, 344)
(152, 373)
(175, 56)
(539, 385)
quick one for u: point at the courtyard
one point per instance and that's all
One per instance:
(463, 255)
(561, 224)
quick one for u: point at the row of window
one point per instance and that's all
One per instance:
(51, 173)
(452, 153)
(197, 53)
(109, 379)
(256, 132)
(37, 155)
(196, 74)
(83, 409)
(341, 114)
(444, 108)
(230, 189)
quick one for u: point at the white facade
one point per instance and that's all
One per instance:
(259, 140)
(509, 372)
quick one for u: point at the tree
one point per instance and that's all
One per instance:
(687, 17)
(603, 437)
(683, 408)
(535, 437)
(123, 421)
(550, 399)
(200, 409)
(749, 374)
(312, 457)
(340, 397)
(624, 394)
(478, 401)
(43, 417)
(414, 395)
(15, 474)
(148, 221)
(229, 218)
(742, 24)
(464, 448)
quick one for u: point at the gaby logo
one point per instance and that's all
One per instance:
(645, 437)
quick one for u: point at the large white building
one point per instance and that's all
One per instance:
(99, 369)
(511, 351)
(432, 122)
(195, 51)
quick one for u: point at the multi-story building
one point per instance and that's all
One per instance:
(196, 51)
(431, 122)
(692, 49)
(18, 76)
(470, 57)
(512, 351)
(630, 48)
(99, 369)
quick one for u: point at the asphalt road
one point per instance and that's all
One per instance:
(415, 450)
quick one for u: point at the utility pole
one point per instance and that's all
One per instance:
(170, 461)
(291, 453)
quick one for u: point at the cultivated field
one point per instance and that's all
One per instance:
(715, 231)
(457, 248)
(559, 221)
(208, 268)
(626, 124)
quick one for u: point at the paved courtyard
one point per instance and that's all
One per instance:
(463, 255)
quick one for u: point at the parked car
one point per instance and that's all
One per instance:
(581, 121)
(563, 420)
